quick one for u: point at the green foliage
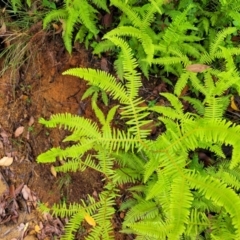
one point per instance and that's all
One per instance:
(170, 33)
(18, 5)
(80, 15)
(174, 196)
(94, 91)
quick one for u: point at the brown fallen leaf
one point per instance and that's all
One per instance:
(26, 192)
(151, 126)
(53, 171)
(18, 131)
(3, 29)
(4, 135)
(31, 121)
(104, 64)
(184, 91)
(6, 161)
(107, 20)
(196, 68)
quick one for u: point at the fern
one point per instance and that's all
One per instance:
(169, 180)
(172, 194)
(73, 13)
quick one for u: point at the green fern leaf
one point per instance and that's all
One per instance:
(101, 4)
(72, 226)
(53, 16)
(219, 39)
(220, 194)
(102, 79)
(179, 213)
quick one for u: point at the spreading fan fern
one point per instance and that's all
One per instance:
(173, 195)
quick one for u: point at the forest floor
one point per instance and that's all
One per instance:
(38, 89)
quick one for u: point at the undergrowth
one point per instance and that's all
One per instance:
(174, 195)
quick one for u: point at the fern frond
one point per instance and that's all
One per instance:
(179, 213)
(198, 222)
(126, 175)
(63, 210)
(85, 13)
(230, 179)
(70, 166)
(129, 67)
(196, 103)
(226, 80)
(167, 112)
(190, 50)
(175, 102)
(119, 140)
(142, 210)
(150, 230)
(73, 123)
(74, 151)
(72, 226)
(132, 15)
(102, 79)
(161, 188)
(101, 4)
(103, 46)
(68, 27)
(154, 7)
(170, 60)
(214, 108)
(220, 194)
(197, 83)
(171, 32)
(54, 15)
(219, 39)
(134, 32)
(181, 83)
(78, 164)
(104, 216)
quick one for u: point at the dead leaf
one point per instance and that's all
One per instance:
(37, 229)
(3, 29)
(18, 131)
(4, 135)
(107, 20)
(55, 26)
(151, 126)
(26, 192)
(196, 68)
(31, 121)
(235, 103)
(122, 215)
(184, 91)
(6, 161)
(90, 220)
(104, 64)
(53, 171)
